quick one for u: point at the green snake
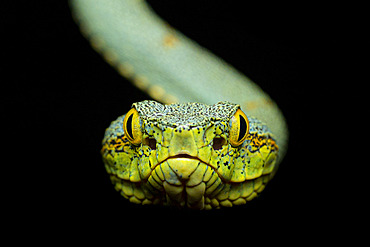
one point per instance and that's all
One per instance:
(204, 155)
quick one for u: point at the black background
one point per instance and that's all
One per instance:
(60, 96)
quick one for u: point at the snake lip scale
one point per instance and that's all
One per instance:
(184, 156)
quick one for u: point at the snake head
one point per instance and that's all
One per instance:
(189, 155)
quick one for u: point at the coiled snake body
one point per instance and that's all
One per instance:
(198, 155)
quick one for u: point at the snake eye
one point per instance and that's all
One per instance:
(239, 127)
(131, 127)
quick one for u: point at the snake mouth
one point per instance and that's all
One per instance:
(182, 156)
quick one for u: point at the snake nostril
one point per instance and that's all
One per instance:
(152, 143)
(218, 142)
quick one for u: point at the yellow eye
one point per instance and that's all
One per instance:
(131, 126)
(239, 127)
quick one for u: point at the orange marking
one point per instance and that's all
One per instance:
(109, 146)
(119, 143)
(170, 40)
(251, 105)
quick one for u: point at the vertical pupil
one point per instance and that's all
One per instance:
(243, 127)
(129, 126)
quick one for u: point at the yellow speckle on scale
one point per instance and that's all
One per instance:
(170, 99)
(156, 92)
(110, 56)
(125, 69)
(97, 43)
(141, 82)
(170, 40)
(252, 105)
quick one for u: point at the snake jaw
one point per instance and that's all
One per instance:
(182, 178)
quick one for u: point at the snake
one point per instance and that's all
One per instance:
(190, 147)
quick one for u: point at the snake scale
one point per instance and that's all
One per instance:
(205, 154)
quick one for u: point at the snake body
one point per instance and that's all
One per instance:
(198, 155)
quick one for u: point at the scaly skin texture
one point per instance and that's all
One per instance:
(184, 168)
